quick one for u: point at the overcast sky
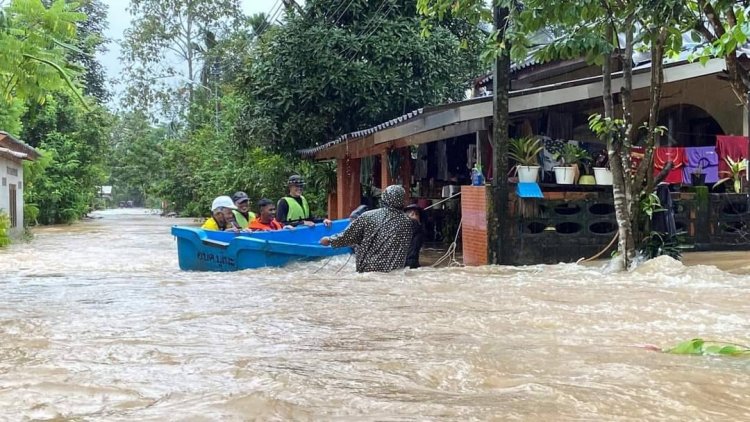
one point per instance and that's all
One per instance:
(119, 21)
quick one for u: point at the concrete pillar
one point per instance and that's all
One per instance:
(348, 190)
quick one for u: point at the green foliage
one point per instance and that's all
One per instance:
(650, 204)
(135, 160)
(657, 244)
(30, 214)
(525, 151)
(4, 229)
(310, 81)
(572, 154)
(91, 40)
(35, 40)
(735, 173)
(162, 30)
(73, 141)
(698, 346)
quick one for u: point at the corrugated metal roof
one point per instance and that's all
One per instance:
(15, 144)
(309, 152)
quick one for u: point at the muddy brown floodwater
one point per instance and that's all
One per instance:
(98, 323)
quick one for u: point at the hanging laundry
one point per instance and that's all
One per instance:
(734, 147)
(704, 158)
(663, 155)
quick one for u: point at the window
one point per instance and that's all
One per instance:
(12, 171)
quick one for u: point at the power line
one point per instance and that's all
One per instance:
(271, 17)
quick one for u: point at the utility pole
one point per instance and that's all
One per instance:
(499, 234)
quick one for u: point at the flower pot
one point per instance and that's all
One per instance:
(587, 179)
(565, 175)
(603, 176)
(697, 179)
(528, 174)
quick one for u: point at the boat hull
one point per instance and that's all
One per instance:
(208, 250)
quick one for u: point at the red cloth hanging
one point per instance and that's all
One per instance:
(734, 147)
(663, 155)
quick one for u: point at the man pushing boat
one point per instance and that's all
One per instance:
(382, 236)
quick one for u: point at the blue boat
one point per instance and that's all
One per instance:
(209, 250)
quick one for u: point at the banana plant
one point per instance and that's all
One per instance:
(735, 173)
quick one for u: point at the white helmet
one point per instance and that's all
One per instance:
(223, 201)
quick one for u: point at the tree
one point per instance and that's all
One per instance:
(339, 66)
(165, 31)
(725, 28)
(590, 29)
(73, 142)
(91, 40)
(35, 41)
(135, 161)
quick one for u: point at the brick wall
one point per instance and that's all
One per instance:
(474, 226)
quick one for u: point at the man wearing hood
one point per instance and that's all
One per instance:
(382, 236)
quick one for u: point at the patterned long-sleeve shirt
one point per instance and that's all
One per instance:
(382, 236)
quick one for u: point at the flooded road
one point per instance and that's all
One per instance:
(98, 323)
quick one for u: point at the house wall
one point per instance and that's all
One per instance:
(710, 93)
(10, 177)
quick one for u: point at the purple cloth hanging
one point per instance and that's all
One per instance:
(703, 157)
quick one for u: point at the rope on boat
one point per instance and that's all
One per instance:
(324, 264)
(611, 242)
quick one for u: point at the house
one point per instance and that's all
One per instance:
(433, 148)
(12, 154)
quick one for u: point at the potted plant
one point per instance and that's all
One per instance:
(588, 171)
(525, 152)
(736, 169)
(570, 155)
(602, 173)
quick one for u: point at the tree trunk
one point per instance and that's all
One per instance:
(625, 245)
(500, 237)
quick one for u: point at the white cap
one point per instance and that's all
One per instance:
(223, 201)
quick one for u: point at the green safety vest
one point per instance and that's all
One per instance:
(295, 211)
(241, 220)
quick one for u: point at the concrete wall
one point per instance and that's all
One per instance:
(707, 92)
(7, 178)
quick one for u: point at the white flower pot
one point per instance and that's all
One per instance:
(565, 175)
(528, 174)
(603, 176)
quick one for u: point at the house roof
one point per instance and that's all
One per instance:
(20, 149)
(430, 118)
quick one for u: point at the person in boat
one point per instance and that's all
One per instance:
(222, 217)
(415, 212)
(293, 209)
(266, 220)
(382, 236)
(242, 215)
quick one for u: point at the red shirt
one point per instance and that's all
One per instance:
(259, 225)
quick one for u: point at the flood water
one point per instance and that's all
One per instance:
(98, 323)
